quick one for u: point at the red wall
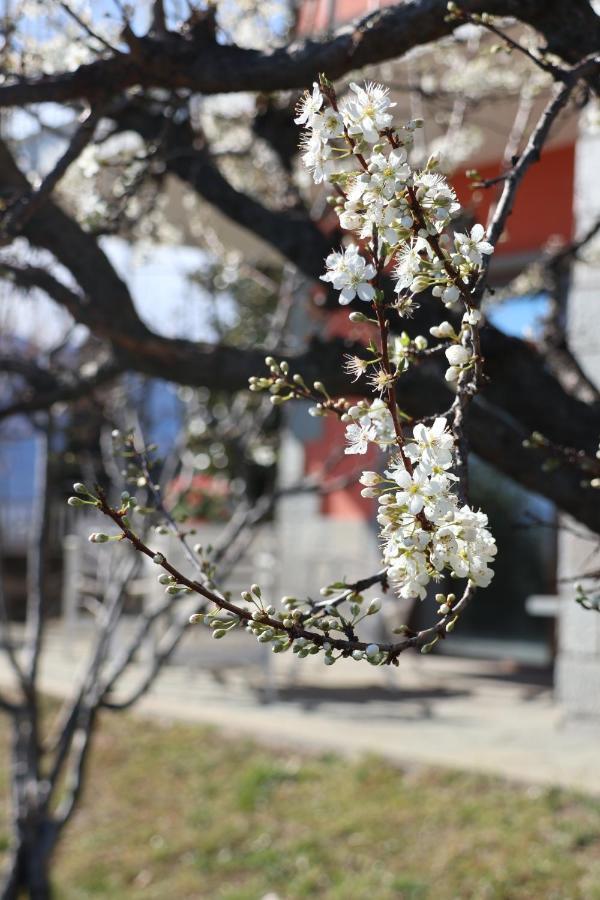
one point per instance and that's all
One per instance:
(544, 204)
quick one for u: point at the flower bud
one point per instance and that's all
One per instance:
(450, 294)
(370, 478)
(372, 651)
(80, 488)
(458, 355)
(76, 501)
(443, 330)
(158, 559)
(196, 619)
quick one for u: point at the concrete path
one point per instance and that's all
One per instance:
(441, 711)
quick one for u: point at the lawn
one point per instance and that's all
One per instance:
(176, 812)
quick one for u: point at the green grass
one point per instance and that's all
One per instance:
(181, 812)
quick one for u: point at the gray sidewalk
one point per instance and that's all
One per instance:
(441, 711)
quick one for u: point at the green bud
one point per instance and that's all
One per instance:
(80, 488)
(196, 619)
(451, 624)
(76, 501)
(427, 648)
(159, 559)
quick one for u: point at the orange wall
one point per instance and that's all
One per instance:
(544, 203)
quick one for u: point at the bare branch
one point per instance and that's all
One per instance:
(85, 27)
(202, 65)
(63, 388)
(21, 210)
(533, 149)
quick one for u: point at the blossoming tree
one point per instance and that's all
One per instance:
(433, 377)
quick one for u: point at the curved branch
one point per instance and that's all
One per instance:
(199, 64)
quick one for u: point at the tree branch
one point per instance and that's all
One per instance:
(201, 65)
(22, 210)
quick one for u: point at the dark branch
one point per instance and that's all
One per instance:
(199, 64)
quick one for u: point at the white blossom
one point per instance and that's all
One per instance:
(349, 273)
(366, 113)
(473, 247)
(309, 106)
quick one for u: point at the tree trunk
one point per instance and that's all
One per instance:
(28, 870)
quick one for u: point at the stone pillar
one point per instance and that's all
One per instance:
(578, 663)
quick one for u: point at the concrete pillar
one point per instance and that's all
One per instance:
(578, 663)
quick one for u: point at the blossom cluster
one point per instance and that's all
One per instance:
(401, 218)
(425, 529)
(383, 199)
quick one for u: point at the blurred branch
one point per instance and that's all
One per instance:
(198, 63)
(48, 388)
(21, 210)
(532, 151)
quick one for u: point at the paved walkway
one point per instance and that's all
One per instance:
(482, 716)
